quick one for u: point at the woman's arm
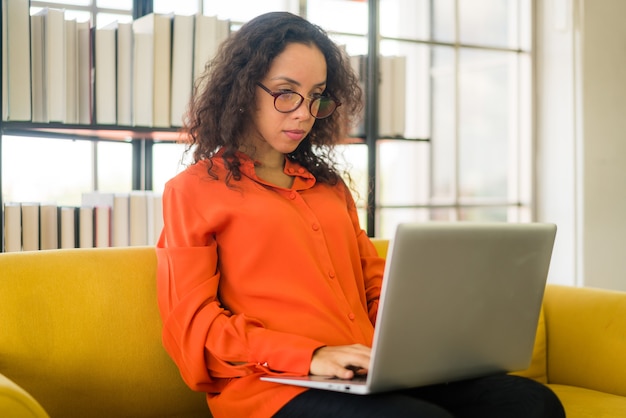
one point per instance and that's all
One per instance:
(206, 341)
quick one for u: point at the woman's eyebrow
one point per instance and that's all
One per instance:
(297, 83)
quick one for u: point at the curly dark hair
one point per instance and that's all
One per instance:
(218, 113)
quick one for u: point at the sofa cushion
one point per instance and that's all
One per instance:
(537, 369)
(586, 338)
(81, 332)
(15, 402)
(587, 403)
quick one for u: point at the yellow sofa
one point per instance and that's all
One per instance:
(81, 333)
(80, 337)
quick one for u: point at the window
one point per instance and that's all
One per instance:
(465, 149)
(467, 95)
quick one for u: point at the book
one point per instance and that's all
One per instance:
(153, 32)
(392, 96)
(120, 220)
(39, 99)
(358, 64)
(182, 66)
(71, 71)
(162, 70)
(85, 227)
(124, 73)
(68, 218)
(102, 205)
(385, 97)
(30, 226)
(48, 226)
(155, 215)
(209, 32)
(205, 42)
(139, 217)
(143, 93)
(12, 227)
(102, 226)
(105, 73)
(85, 72)
(5, 60)
(55, 63)
(398, 121)
(16, 40)
(223, 32)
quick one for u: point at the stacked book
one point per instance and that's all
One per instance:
(138, 73)
(102, 220)
(392, 87)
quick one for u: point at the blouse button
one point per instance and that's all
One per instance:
(351, 316)
(331, 274)
(315, 227)
(291, 170)
(292, 195)
(301, 170)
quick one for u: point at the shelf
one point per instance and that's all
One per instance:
(111, 132)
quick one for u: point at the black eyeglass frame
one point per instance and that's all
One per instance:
(277, 94)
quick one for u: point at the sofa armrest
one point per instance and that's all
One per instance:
(15, 402)
(586, 338)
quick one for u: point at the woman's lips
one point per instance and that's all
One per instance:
(295, 135)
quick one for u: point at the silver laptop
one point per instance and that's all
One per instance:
(459, 300)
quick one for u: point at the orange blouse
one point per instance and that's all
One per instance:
(253, 278)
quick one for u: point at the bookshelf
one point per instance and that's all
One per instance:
(91, 132)
(143, 138)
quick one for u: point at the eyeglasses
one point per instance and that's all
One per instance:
(321, 106)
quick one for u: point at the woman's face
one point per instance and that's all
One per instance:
(299, 68)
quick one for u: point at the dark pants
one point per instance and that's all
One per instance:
(500, 396)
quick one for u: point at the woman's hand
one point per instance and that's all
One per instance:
(342, 361)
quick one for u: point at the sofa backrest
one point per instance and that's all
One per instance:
(81, 332)
(586, 333)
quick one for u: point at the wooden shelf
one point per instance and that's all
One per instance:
(110, 132)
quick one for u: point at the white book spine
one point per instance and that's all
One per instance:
(67, 227)
(399, 95)
(86, 227)
(55, 63)
(162, 71)
(39, 100)
(385, 97)
(182, 67)
(143, 76)
(205, 42)
(17, 32)
(124, 74)
(12, 227)
(138, 218)
(71, 73)
(85, 73)
(49, 227)
(5, 65)
(120, 220)
(157, 225)
(106, 80)
(102, 226)
(30, 226)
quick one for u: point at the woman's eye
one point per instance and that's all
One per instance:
(286, 94)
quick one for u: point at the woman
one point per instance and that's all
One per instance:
(263, 267)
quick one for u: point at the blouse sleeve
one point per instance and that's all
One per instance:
(208, 343)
